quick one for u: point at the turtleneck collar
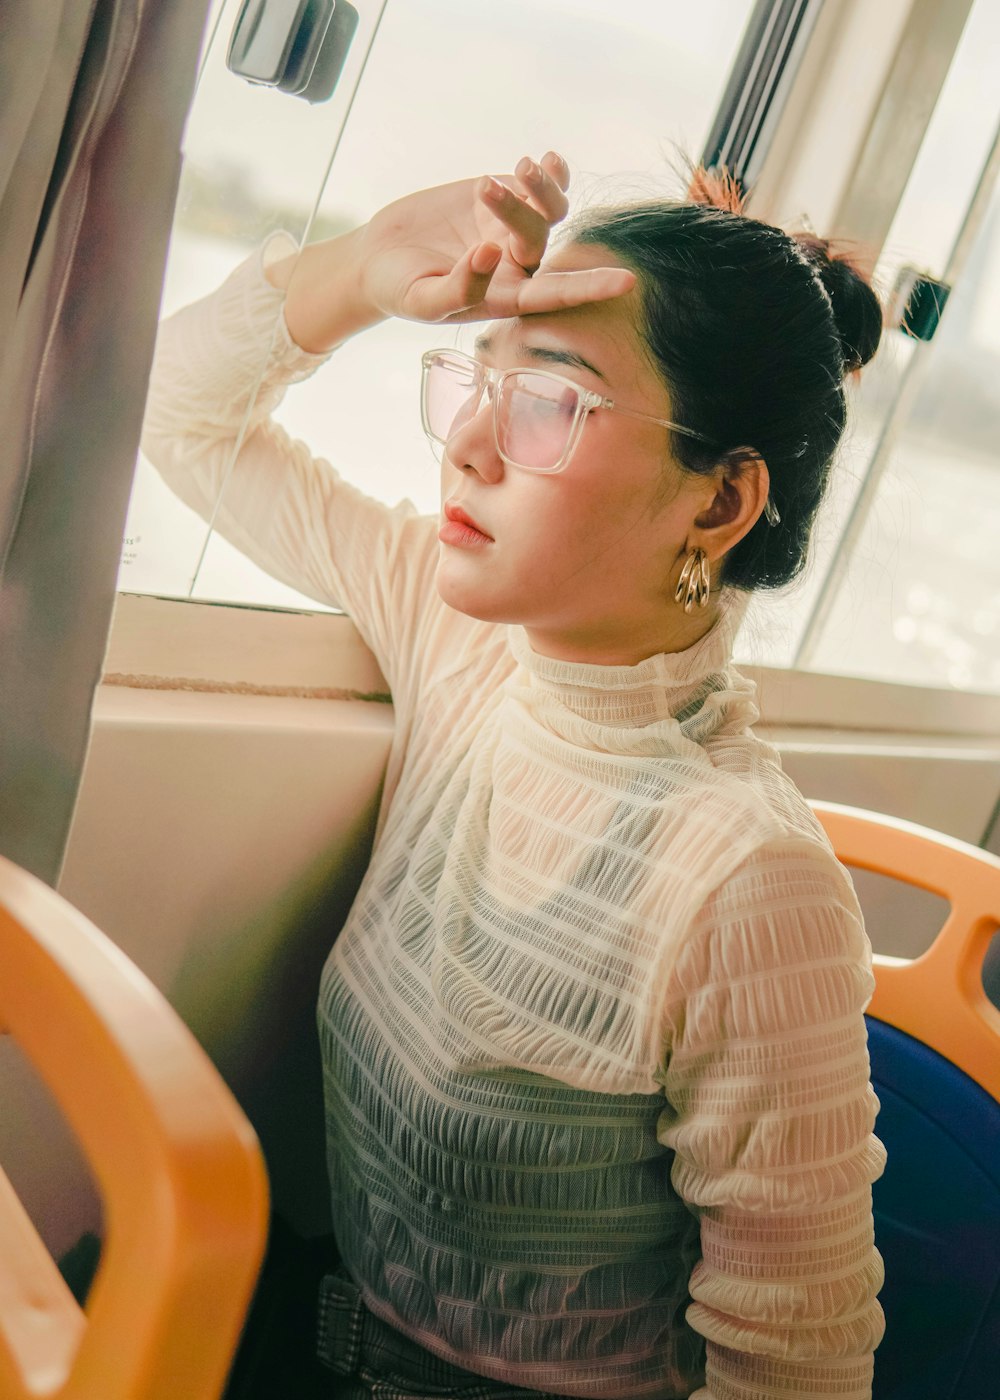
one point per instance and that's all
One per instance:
(668, 698)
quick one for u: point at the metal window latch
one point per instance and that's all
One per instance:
(916, 303)
(296, 46)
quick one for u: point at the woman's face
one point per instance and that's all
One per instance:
(585, 559)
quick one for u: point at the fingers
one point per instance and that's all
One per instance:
(528, 229)
(557, 168)
(529, 211)
(464, 293)
(466, 285)
(484, 259)
(543, 190)
(554, 291)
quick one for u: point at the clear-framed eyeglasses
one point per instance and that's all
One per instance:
(538, 416)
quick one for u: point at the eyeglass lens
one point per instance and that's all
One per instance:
(534, 417)
(452, 392)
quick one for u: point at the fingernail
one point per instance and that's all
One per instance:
(493, 188)
(527, 169)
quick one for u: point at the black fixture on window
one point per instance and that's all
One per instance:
(296, 46)
(916, 303)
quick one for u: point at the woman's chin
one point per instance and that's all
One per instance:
(472, 596)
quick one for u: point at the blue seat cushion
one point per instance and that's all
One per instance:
(937, 1224)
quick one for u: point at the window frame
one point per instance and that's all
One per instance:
(770, 56)
(781, 116)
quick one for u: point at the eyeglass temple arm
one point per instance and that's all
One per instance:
(651, 418)
(771, 513)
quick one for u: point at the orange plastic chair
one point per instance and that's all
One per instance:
(934, 1043)
(939, 997)
(181, 1175)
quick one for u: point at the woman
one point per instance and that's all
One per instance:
(595, 1063)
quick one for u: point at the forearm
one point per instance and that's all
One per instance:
(221, 367)
(739, 1375)
(325, 300)
(771, 1122)
(786, 1302)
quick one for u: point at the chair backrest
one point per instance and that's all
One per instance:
(934, 1041)
(182, 1180)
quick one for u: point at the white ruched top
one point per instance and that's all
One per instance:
(598, 1102)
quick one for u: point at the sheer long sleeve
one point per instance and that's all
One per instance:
(222, 366)
(771, 1115)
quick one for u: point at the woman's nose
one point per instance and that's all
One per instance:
(473, 446)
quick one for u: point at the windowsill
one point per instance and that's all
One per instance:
(855, 705)
(176, 644)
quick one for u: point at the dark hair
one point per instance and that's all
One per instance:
(752, 331)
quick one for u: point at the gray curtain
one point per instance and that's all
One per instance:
(93, 95)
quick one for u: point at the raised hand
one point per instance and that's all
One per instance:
(468, 251)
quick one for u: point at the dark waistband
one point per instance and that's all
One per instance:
(353, 1342)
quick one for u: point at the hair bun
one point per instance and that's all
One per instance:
(857, 312)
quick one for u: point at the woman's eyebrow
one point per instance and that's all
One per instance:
(544, 354)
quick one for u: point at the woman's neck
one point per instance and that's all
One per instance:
(615, 646)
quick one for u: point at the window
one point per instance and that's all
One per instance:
(445, 87)
(449, 88)
(904, 584)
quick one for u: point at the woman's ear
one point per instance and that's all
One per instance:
(742, 484)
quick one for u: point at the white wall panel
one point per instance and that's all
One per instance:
(219, 840)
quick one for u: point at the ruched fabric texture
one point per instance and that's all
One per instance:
(599, 1115)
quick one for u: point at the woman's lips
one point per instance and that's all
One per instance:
(460, 529)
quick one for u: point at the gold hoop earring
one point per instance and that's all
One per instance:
(694, 584)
